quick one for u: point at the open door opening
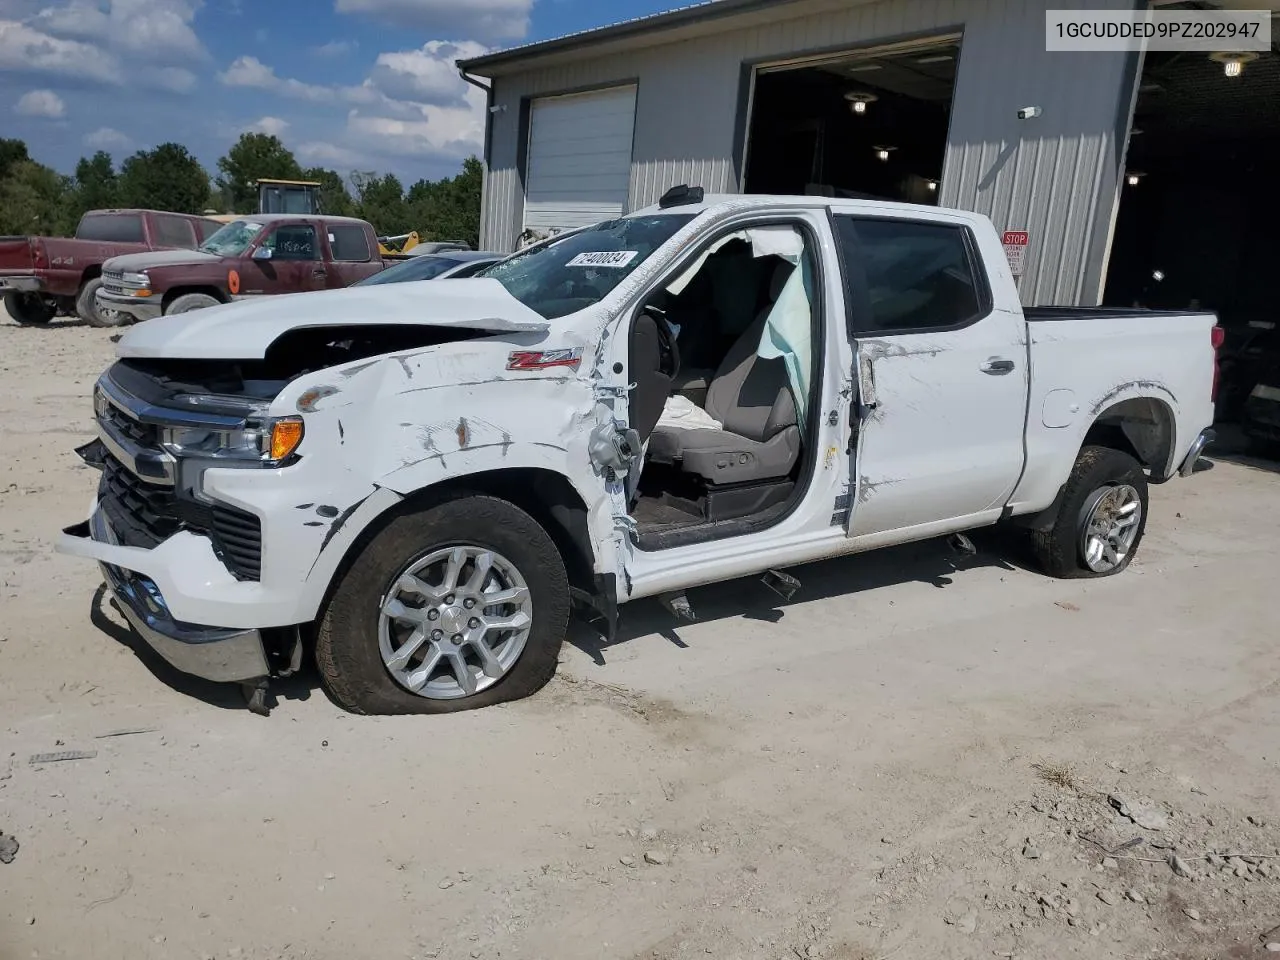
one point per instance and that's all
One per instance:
(726, 359)
(866, 124)
(1196, 227)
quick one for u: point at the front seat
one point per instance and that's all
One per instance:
(752, 397)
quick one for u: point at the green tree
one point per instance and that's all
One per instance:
(11, 152)
(334, 197)
(33, 200)
(380, 200)
(166, 178)
(96, 187)
(449, 209)
(253, 157)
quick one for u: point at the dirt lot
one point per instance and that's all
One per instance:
(910, 760)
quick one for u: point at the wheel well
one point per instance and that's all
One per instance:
(177, 292)
(90, 273)
(1142, 427)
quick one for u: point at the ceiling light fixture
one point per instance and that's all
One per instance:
(863, 67)
(859, 100)
(883, 152)
(1233, 63)
(935, 58)
(933, 185)
(1134, 176)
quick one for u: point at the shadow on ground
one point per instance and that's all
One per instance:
(930, 561)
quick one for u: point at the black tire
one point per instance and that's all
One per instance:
(28, 309)
(191, 301)
(87, 307)
(1058, 550)
(347, 650)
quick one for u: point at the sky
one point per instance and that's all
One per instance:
(346, 84)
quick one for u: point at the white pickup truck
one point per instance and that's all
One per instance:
(417, 484)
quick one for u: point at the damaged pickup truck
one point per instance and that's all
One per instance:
(417, 484)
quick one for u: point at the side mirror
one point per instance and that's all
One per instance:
(262, 253)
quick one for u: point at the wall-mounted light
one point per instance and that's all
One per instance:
(498, 108)
(1233, 63)
(859, 100)
(882, 153)
(1133, 177)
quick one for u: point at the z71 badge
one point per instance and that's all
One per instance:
(543, 359)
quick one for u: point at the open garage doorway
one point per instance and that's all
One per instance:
(1197, 224)
(871, 123)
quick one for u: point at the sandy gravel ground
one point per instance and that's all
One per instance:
(910, 760)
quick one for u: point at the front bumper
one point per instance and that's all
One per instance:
(20, 284)
(140, 308)
(214, 653)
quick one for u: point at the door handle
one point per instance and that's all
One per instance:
(997, 367)
(319, 272)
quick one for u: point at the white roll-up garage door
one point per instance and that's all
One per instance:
(579, 160)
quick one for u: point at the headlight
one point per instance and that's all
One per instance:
(136, 284)
(267, 440)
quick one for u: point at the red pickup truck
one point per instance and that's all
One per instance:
(256, 255)
(42, 277)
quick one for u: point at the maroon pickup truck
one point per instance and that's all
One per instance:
(42, 277)
(253, 256)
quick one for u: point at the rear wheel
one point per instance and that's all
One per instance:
(28, 309)
(191, 301)
(87, 308)
(462, 605)
(1101, 520)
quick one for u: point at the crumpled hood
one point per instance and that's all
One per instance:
(243, 330)
(133, 262)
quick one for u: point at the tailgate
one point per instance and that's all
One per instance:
(15, 255)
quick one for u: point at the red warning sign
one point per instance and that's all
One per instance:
(1015, 249)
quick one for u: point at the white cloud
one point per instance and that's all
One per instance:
(428, 74)
(168, 78)
(485, 19)
(25, 49)
(329, 154)
(159, 29)
(41, 103)
(335, 48)
(446, 131)
(104, 138)
(272, 125)
(252, 72)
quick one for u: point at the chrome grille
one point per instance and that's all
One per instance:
(113, 281)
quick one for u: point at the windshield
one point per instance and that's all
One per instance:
(233, 239)
(419, 268)
(565, 275)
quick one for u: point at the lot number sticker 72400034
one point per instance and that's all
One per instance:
(605, 258)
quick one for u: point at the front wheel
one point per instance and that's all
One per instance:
(462, 605)
(191, 301)
(1101, 520)
(28, 309)
(87, 308)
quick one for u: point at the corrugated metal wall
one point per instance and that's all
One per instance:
(1055, 176)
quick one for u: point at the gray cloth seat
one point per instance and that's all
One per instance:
(752, 397)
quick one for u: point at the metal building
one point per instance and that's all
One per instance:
(602, 122)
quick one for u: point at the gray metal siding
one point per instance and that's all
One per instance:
(1055, 176)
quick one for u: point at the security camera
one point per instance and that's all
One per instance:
(1028, 113)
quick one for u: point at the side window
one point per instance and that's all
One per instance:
(909, 275)
(348, 242)
(294, 242)
(111, 228)
(173, 232)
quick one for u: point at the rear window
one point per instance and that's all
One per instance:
(348, 242)
(173, 232)
(207, 228)
(111, 228)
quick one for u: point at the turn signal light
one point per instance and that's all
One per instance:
(285, 437)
